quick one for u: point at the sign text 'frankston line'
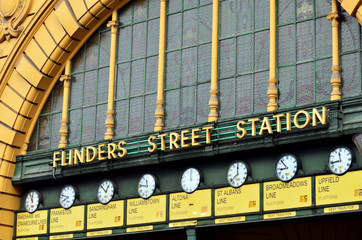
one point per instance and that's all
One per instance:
(107, 151)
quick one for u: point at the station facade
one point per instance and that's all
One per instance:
(188, 119)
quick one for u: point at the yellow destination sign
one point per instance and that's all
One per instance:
(67, 220)
(99, 233)
(63, 236)
(332, 189)
(284, 195)
(237, 200)
(105, 216)
(280, 215)
(28, 238)
(31, 224)
(195, 205)
(341, 208)
(230, 220)
(150, 210)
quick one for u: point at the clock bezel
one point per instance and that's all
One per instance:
(153, 191)
(40, 196)
(248, 173)
(200, 180)
(115, 191)
(329, 158)
(76, 195)
(299, 166)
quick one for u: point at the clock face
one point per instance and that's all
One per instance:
(287, 167)
(106, 190)
(67, 196)
(32, 201)
(147, 186)
(190, 180)
(340, 160)
(237, 174)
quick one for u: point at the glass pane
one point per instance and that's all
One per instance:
(174, 31)
(121, 118)
(140, 10)
(76, 90)
(187, 100)
(244, 95)
(189, 28)
(323, 38)
(123, 80)
(205, 24)
(304, 9)
(323, 7)
(152, 74)
(174, 6)
(125, 14)
(139, 40)
(55, 136)
(32, 143)
(189, 64)
(261, 14)
(286, 86)
(153, 37)
(78, 61)
(91, 57)
(100, 122)
(124, 43)
(172, 106)
(244, 16)
(190, 3)
(88, 124)
(227, 58)
(227, 98)
(227, 18)
(153, 8)
(351, 75)
(286, 45)
(245, 53)
(44, 132)
(103, 85)
(150, 106)
(104, 49)
(323, 78)
(305, 88)
(305, 41)
(172, 68)
(137, 77)
(261, 99)
(89, 88)
(74, 126)
(261, 50)
(204, 63)
(203, 97)
(135, 115)
(349, 31)
(285, 11)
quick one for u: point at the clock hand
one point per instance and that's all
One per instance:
(284, 164)
(282, 168)
(339, 154)
(335, 162)
(65, 197)
(141, 185)
(31, 195)
(103, 188)
(107, 188)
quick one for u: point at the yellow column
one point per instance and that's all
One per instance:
(272, 89)
(336, 78)
(112, 68)
(213, 103)
(159, 113)
(64, 122)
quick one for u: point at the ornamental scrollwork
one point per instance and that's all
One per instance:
(12, 13)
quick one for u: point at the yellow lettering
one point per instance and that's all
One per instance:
(101, 151)
(112, 147)
(174, 138)
(316, 115)
(70, 161)
(307, 119)
(163, 141)
(154, 145)
(56, 159)
(79, 156)
(184, 138)
(90, 157)
(253, 125)
(289, 122)
(208, 133)
(243, 131)
(123, 151)
(194, 137)
(265, 126)
(64, 159)
(279, 122)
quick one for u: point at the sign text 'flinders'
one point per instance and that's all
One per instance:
(193, 137)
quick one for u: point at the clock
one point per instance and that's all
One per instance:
(190, 180)
(68, 195)
(237, 173)
(340, 160)
(147, 185)
(32, 200)
(287, 166)
(106, 190)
